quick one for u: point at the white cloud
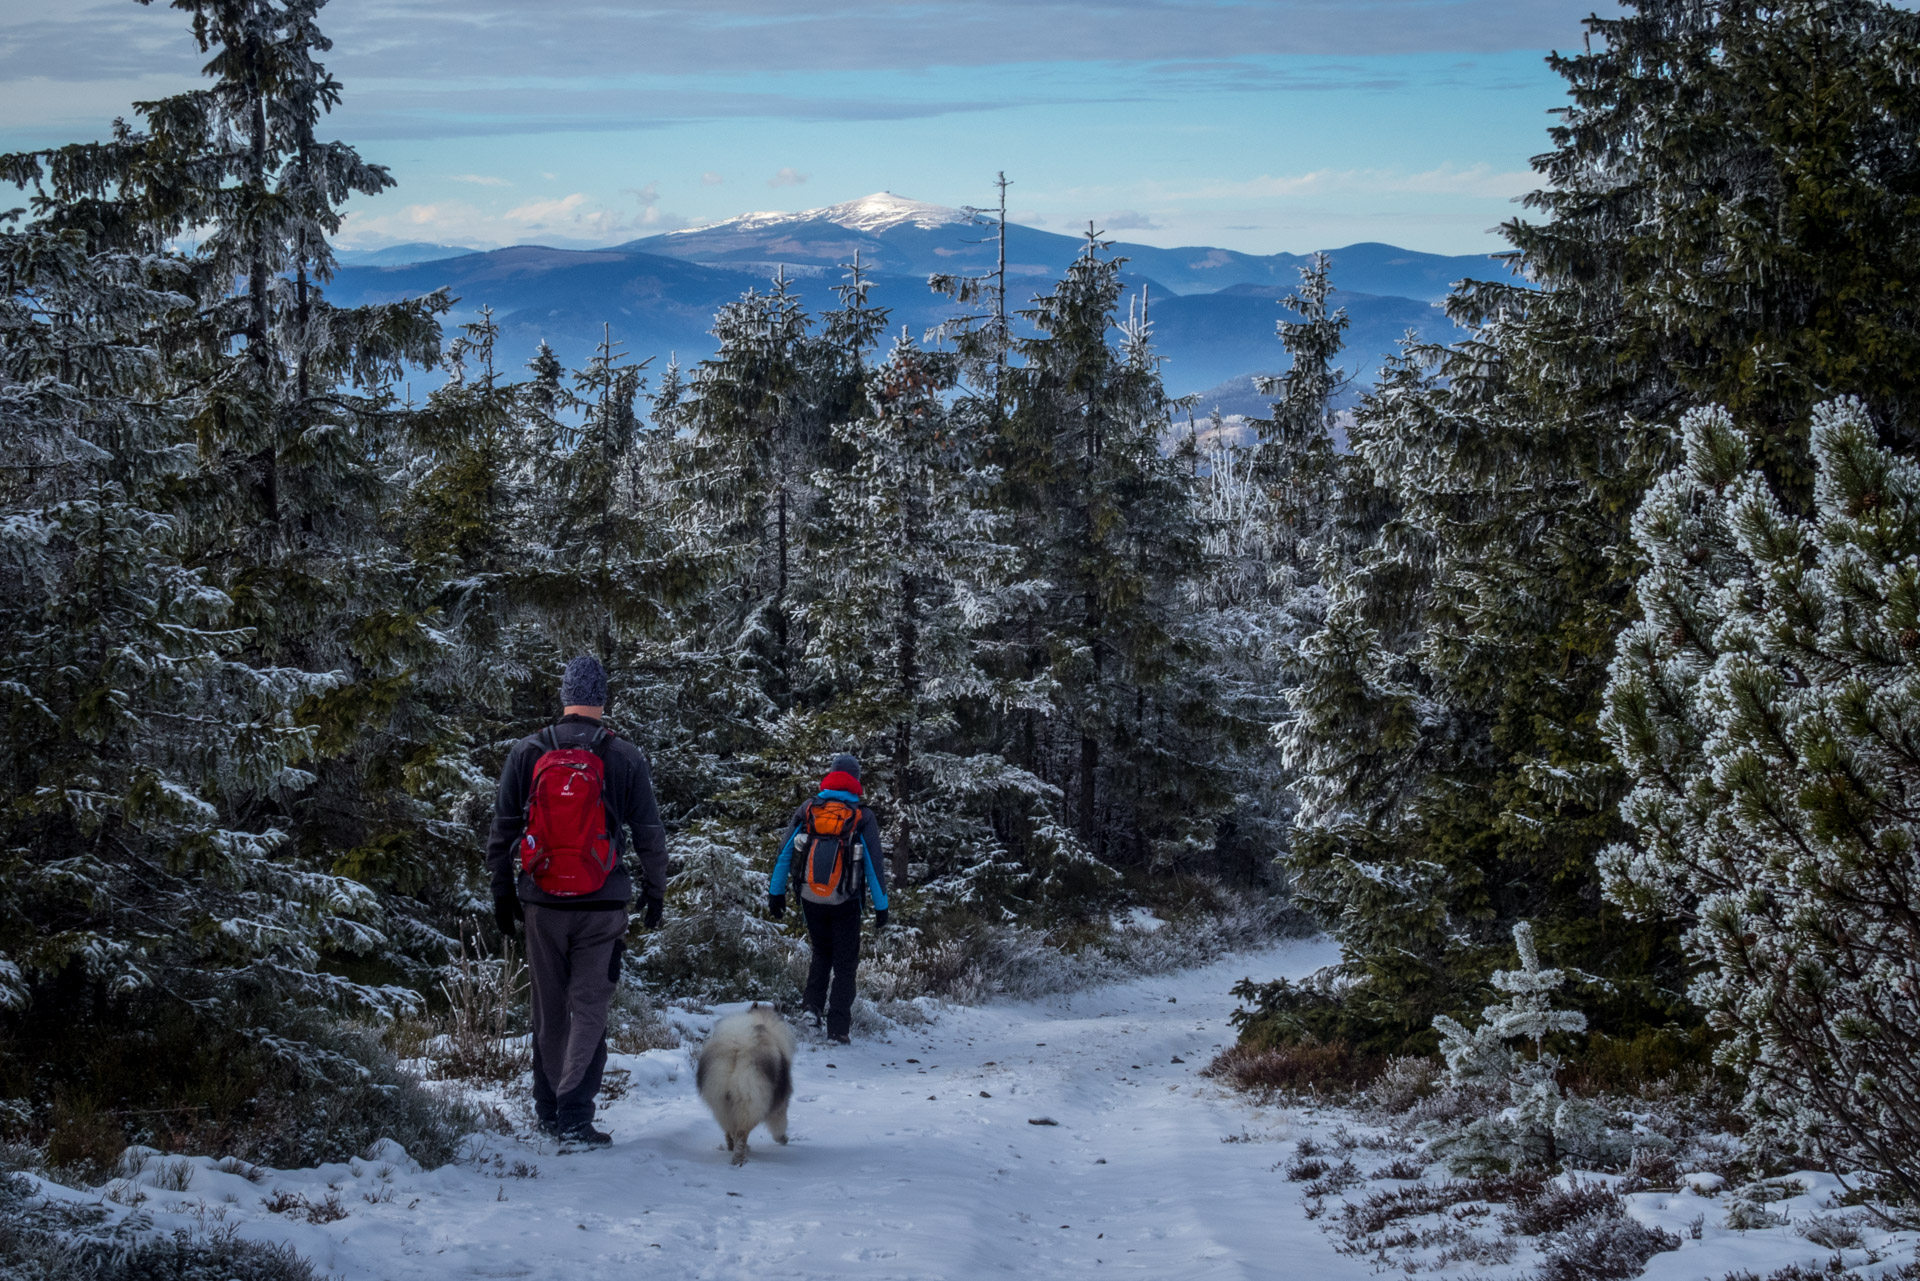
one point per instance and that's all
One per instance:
(1130, 220)
(538, 215)
(481, 180)
(711, 179)
(788, 177)
(573, 219)
(1450, 180)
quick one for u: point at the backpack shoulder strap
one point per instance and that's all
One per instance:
(548, 742)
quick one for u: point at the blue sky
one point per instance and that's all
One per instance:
(1261, 125)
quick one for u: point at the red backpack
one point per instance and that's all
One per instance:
(568, 846)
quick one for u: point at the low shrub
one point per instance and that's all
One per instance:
(486, 1000)
(253, 1078)
(1305, 1068)
(1556, 1206)
(1604, 1247)
(1585, 1232)
(1404, 1081)
(1834, 1268)
(51, 1241)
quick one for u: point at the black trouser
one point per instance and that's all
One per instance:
(834, 932)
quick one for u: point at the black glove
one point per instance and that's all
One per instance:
(776, 905)
(650, 909)
(507, 910)
(879, 919)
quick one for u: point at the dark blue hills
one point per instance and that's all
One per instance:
(1213, 310)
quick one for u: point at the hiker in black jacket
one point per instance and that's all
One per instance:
(576, 930)
(832, 908)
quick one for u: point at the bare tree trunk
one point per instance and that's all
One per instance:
(1089, 771)
(259, 280)
(1090, 746)
(780, 579)
(907, 642)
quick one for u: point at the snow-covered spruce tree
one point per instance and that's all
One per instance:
(914, 567)
(1295, 458)
(1539, 1124)
(1765, 708)
(1724, 218)
(717, 943)
(1270, 511)
(1339, 611)
(267, 460)
(602, 562)
(150, 929)
(745, 434)
(132, 721)
(755, 416)
(302, 444)
(1108, 525)
(464, 518)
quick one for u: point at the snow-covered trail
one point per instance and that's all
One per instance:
(912, 1157)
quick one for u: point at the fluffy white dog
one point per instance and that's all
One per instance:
(746, 1075)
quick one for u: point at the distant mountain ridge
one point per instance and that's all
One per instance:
(401, 255)
(1213, 310)
(895, 235)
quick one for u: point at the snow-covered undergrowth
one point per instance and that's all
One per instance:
(1381, 1195)
(1072, 1134)
(1490, 1163)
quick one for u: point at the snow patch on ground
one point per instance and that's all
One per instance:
(913, 1155)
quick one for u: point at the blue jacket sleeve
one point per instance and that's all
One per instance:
(876, 858)
(777, 883)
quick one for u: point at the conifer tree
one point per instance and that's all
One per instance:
(140, 734)
(1764, 706)
(1109, 527)
(914, 570)
(754, 431)
(1722, 221)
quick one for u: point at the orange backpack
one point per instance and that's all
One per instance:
(829, 858)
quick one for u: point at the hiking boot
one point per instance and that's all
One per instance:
(840, 1038)
(546, 1125)
(812, 1017)
(584, 1135)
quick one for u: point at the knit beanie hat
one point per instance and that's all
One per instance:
(843, 775)
(584, 684)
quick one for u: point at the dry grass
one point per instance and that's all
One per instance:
(1835, 1268)
(1332, 1068)
(484, 997)
(634, 1026)
(294, 1205)
(1555, 1207)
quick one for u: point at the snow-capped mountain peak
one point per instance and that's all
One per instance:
(879, 212)
(883, 210)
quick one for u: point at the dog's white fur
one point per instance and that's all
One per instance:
(745, 1075)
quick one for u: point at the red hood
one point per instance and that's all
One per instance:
(841, 781)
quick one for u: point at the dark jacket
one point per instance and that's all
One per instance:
(630, 804)
(875, 878)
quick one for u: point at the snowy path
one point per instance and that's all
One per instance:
(911, 1158)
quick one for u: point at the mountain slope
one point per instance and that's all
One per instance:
(908, 237)
(658, 295)
(400, 255)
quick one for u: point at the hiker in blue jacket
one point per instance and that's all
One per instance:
(833, 853)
